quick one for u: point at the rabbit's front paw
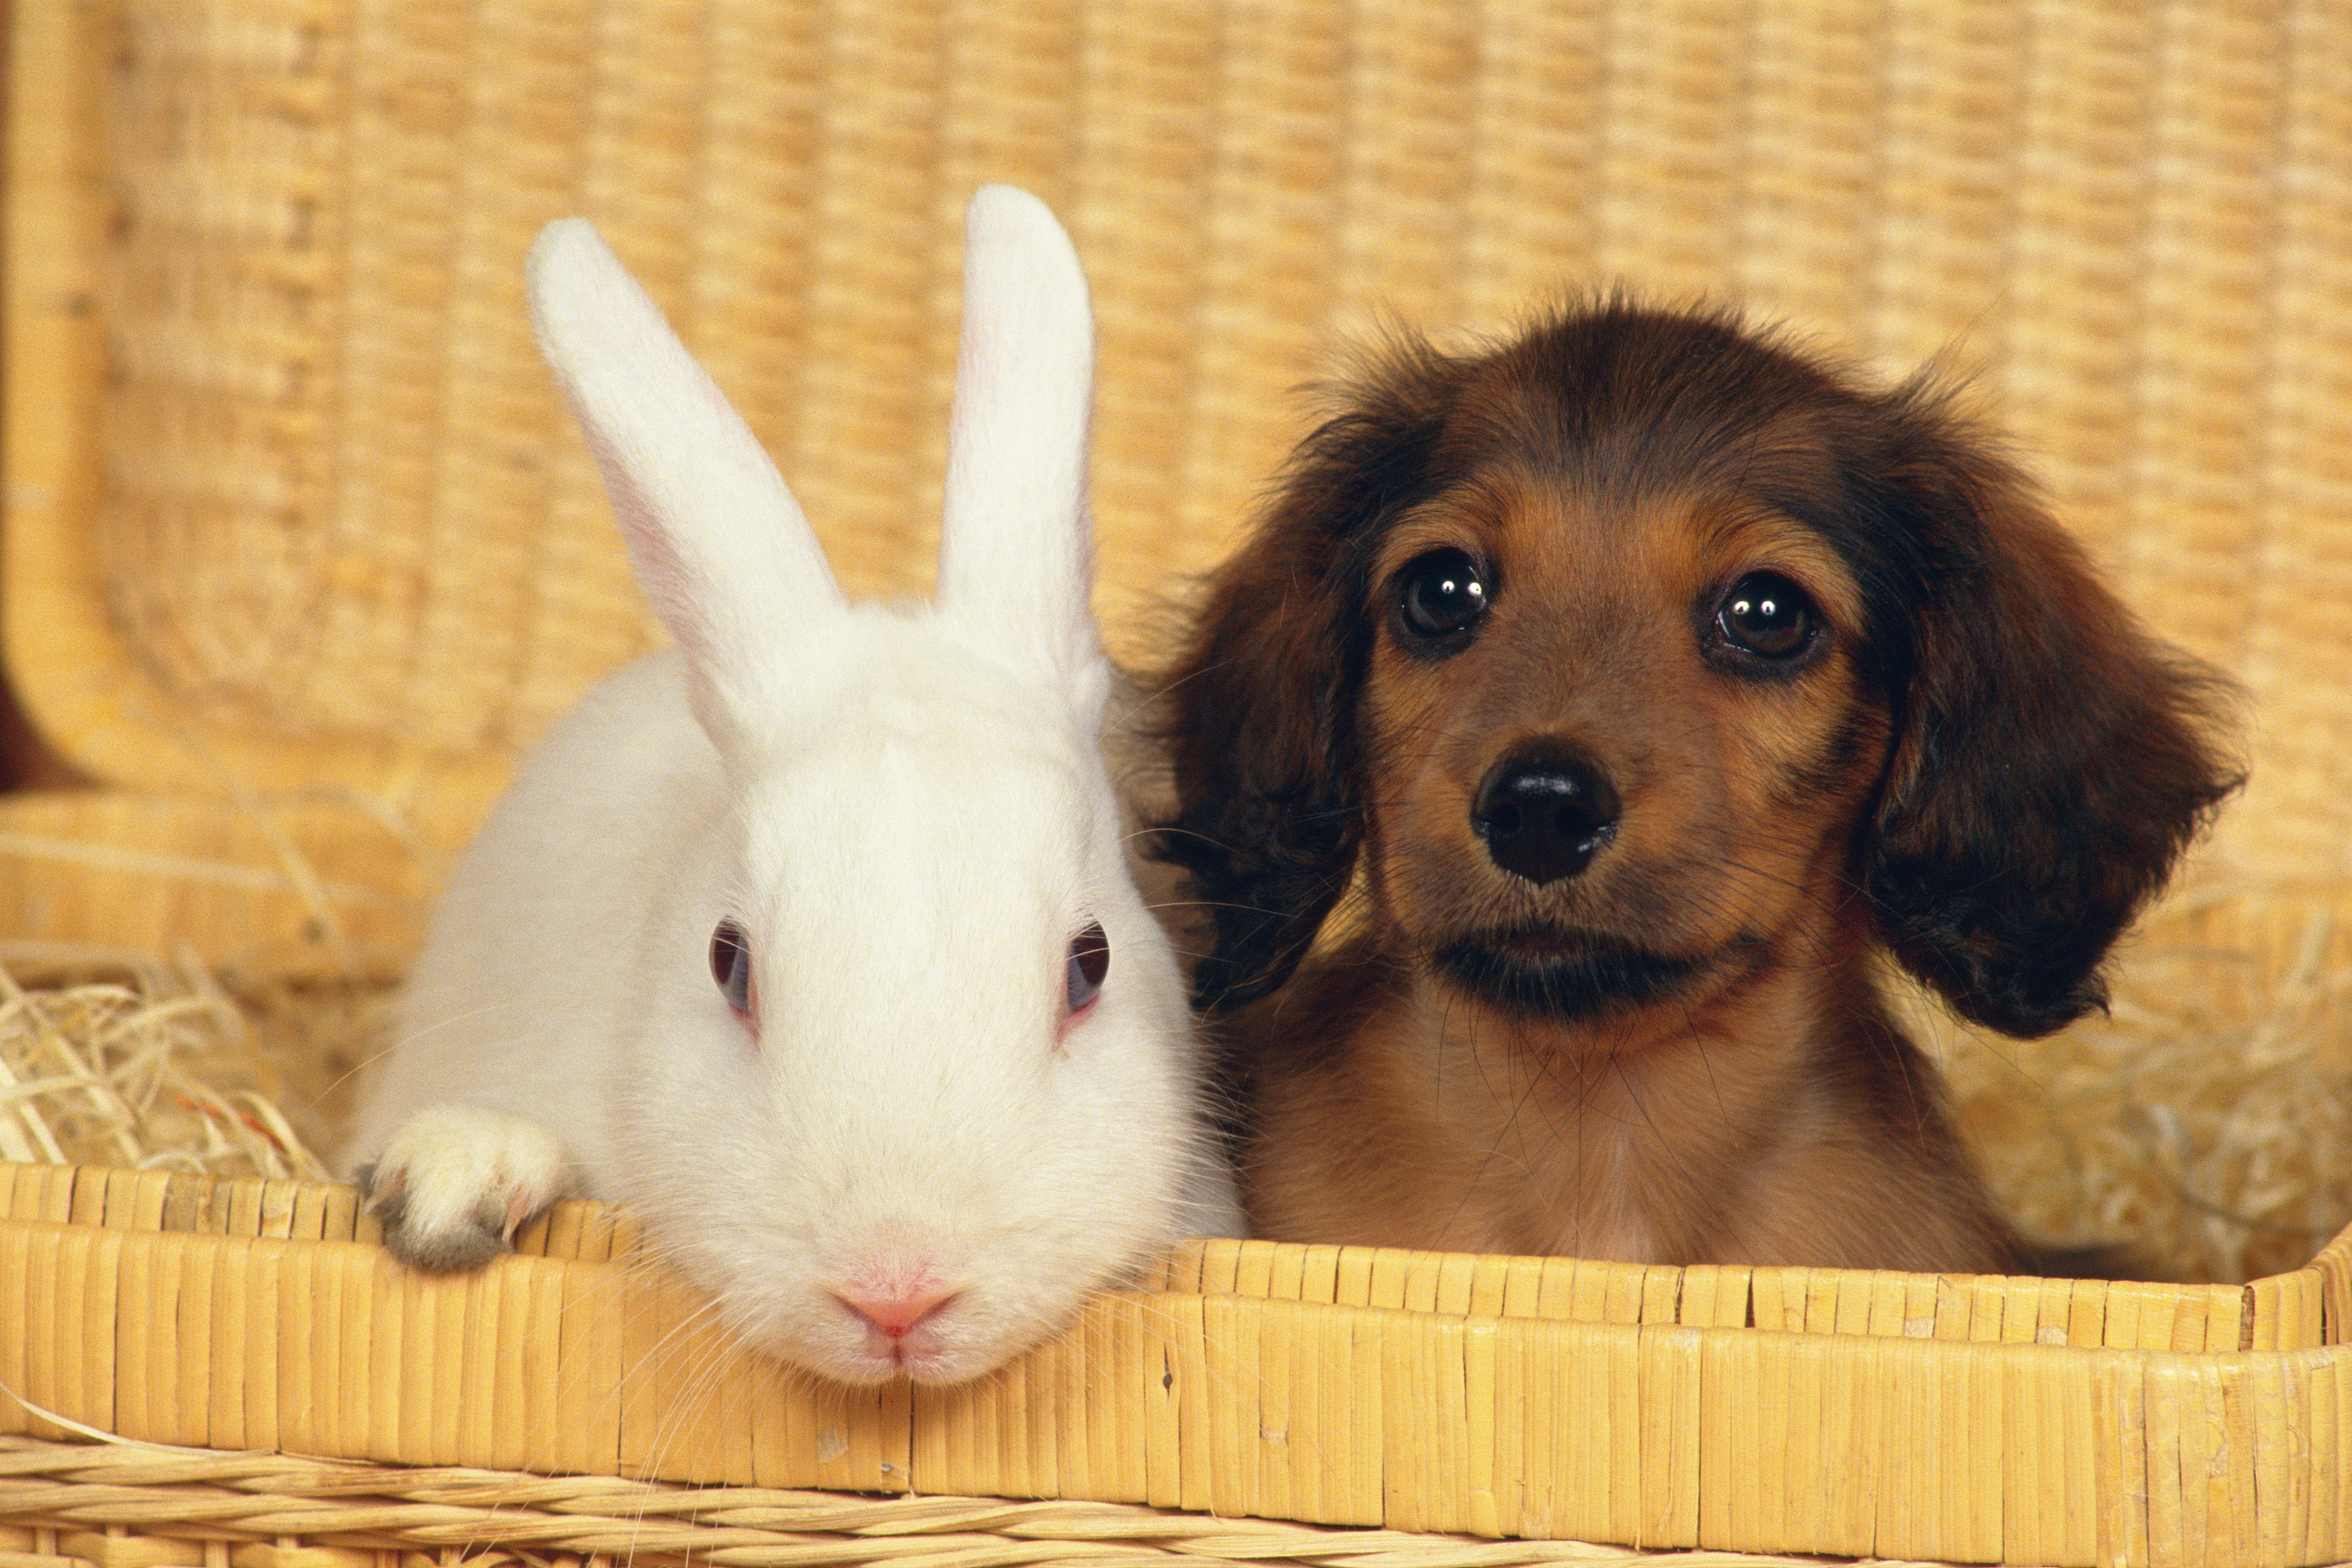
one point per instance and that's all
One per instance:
(454, 1181)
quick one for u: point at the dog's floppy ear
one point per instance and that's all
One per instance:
(1260, 711)
(2051, 759)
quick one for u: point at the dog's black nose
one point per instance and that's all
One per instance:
(1542, 818)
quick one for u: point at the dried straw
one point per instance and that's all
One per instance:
(2206, 1121)
(124, 1059)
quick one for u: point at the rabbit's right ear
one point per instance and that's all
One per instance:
(721, 547)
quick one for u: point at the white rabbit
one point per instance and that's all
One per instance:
(813, 940)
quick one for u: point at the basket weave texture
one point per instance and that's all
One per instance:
(249, 1511)
(1973, 1420)
(296, 520)
(299, 553)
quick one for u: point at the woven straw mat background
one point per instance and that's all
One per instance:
(339, 498)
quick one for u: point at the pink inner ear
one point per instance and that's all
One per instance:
(661, 573)
(677, 594)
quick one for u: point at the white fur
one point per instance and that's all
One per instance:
(908, 814)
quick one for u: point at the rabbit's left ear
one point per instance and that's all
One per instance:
(1014, 539)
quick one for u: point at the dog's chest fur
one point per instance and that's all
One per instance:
(1432, 1123)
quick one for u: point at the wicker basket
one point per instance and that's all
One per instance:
(1764, 1409)
(299, 553)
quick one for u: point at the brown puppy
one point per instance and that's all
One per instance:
(1648, 678)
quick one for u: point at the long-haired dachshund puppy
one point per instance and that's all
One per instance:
(1649, 678)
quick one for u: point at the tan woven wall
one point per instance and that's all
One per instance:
(337, 499)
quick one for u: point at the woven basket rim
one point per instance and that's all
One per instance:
(134, 1310)
(589, 1230)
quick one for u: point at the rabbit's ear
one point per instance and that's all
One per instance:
(721, 547)
(1013, 547)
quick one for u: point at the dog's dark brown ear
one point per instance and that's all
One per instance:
(1259, 717)
(2051, 761)
(1260, 711)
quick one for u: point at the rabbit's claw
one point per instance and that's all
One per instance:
(454, 1181)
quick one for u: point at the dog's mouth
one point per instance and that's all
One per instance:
(1543, 973)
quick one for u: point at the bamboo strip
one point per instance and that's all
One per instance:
(2331, 1450)
(16, 1327)
(45, 1372)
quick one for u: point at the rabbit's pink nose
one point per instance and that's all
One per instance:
(894, 1314)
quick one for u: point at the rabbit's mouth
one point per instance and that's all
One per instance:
(904, 1330)
(919, 1328)
(938, 1351)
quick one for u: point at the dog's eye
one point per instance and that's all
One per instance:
(1089, 962)
(1766, 615)
(730, 966)
(1440, 593)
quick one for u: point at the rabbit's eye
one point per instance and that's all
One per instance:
(1089, 962)
(730, 966)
